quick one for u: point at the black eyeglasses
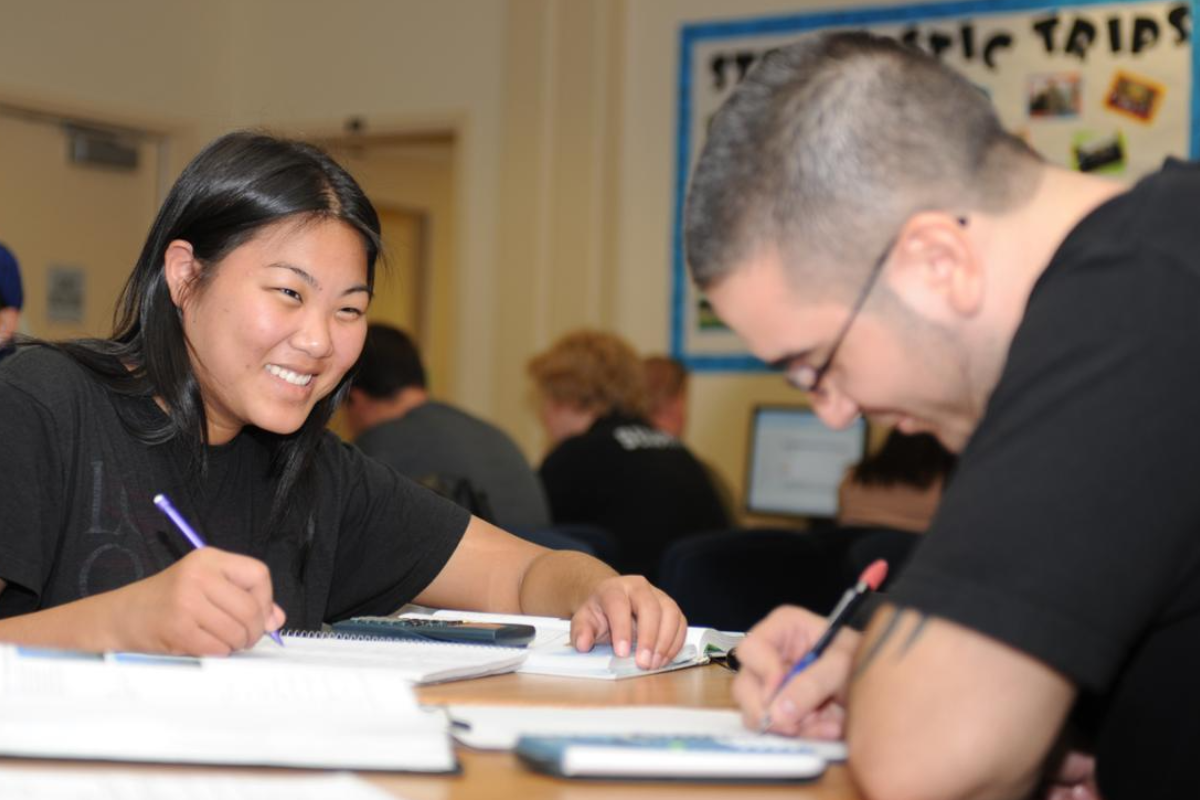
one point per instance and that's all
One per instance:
(807, 378)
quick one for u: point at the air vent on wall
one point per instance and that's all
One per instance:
(100, 148)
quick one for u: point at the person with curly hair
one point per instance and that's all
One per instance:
(608, 466)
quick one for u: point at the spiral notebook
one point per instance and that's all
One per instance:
(414, 661)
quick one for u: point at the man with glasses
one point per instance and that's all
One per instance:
(862, 220)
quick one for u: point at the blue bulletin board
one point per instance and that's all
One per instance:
(1096, 86)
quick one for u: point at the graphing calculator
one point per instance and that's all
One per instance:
(704, 758)
(440, 630)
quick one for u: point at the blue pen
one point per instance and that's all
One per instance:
(190, 534)
(870, 580)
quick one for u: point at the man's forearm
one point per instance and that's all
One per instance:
(556, 583)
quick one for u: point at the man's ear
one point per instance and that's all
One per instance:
(936, 270)
(181, 270)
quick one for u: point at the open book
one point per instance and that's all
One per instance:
(162, 709)
(415, 661)
(551, 652)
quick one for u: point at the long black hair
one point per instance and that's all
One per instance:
(235, 187)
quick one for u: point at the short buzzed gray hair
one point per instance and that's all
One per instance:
(830, 144)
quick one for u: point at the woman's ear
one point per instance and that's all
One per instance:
(181, 270)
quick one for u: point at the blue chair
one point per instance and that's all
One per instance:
(603, 544)
(549, 537)
(590, 539)
(731, 579)
(865, 545)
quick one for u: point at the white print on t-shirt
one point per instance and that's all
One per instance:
(636, 437)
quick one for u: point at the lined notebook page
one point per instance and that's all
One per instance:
(415, 661)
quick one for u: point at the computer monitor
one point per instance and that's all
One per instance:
(796, 463)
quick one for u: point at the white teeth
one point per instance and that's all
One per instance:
(291, 377)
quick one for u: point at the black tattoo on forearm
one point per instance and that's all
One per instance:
(876, 645)
(917, 630)
(893, 624)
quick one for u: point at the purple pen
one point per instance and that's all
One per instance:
(189, 533)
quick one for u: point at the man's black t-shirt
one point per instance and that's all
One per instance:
(640, 484)
(77, 516)
(1072, 528)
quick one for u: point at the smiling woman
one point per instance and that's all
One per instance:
(234, 337)
(277, 327)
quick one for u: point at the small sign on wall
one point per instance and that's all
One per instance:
(65, 293)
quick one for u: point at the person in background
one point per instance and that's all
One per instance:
(897, 486)
(233, 341)
(12, 298)
(607, 465)
(887, 500)
(393, 419)
(666, 394)
(862, 219)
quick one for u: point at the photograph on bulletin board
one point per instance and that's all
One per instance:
(1099, 87)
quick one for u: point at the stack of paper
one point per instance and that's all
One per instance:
(58, 704)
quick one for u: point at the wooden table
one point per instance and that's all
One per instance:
(499, 775)
(489, 775)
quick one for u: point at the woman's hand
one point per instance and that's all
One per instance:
(635, 616)
(210, 602)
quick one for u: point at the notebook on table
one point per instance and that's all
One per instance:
(226, 711)
(410, 660)
(551, 652)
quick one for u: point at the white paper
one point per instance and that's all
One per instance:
(57, 704)
(498, 727)
(416, 661)
(43, 784)
(551, 652)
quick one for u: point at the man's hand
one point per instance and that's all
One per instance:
(1075, 779)
(811, 704)
(210, 602)
(635, 617)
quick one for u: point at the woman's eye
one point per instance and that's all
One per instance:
(292, 293)
(351, 313)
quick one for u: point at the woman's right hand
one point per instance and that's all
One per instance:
(210, 602)
(811, 704)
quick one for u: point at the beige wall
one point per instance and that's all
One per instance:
(558, 207)
(55, 214)
(305, 66)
